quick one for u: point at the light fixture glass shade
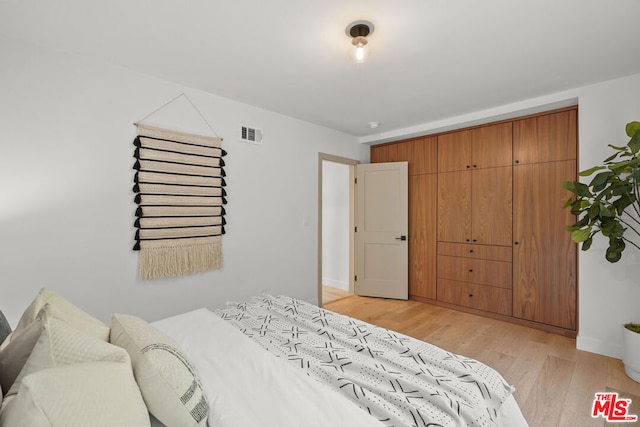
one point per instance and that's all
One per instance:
(358, 31)
(359, 52)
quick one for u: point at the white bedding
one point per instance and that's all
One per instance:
(248, 386)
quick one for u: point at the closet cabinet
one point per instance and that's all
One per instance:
(486, 222)
(475, 206)
(484, 147)
(474, 185)
(544, 257)
(475, 212)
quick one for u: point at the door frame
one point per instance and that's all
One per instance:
(351, 163)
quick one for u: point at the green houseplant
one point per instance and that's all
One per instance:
(609, 205)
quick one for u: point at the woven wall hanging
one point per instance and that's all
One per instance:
(179, 186)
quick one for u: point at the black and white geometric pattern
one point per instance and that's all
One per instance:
(399, 380)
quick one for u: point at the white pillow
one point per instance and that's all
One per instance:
(99, 394)
(169, 384)
(60, 344)
(63, 310)
(15, 353)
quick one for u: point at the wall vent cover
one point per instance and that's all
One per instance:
(252, 135)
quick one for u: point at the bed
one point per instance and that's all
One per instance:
(271, 361)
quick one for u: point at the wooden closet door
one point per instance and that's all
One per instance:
(422, 156)
(454, 207)
(491, 213)
(545, 138)
(454, 151)
(544, 256)
(492, 146)
(384, 153)
(422, 235)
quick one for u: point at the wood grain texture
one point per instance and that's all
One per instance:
(496, 253)
(545, 138)
(454, 206)
(481, 297)
(491, 206)
(454, 151)
(331, 294)
(422, 235)
(384, 153)
(419, 153)
(544, 256)
(555, 383)
(473, 270)
(491, 146)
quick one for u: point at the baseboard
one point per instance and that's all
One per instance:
(336, 284)
(611, 349)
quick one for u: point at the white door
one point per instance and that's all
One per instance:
(381, 230)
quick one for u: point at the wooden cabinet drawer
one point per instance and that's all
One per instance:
(496, 253)
(486, 298)
(479, 271)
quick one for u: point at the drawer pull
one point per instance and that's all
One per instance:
(470, 250)
(470, 295)
(471, 270)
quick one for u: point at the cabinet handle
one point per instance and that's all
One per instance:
(471, 270)
(470, 250)
(470, 295)
(474, 240)
(468, 167)
(475, 166)
(468, 240)
(517, 161)
(516, 243)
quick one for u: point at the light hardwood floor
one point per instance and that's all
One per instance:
(331, 294)
(555, 383)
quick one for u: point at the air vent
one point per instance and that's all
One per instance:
(252, 135)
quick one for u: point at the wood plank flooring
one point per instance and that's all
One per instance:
(555, 383)
(331, 294)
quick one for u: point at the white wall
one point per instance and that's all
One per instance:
(66, 208)
(609, 293)
(335, 225)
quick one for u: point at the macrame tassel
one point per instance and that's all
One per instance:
(180, 260)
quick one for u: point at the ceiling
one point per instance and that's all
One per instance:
(430, 59)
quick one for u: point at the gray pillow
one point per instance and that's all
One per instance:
(5, 328)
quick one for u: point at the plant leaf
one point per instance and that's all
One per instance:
(581, 235)
(632, 128)
(591, 170)
(634, 144)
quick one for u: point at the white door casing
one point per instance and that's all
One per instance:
(382, 230)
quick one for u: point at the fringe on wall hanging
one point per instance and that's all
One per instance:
(179, 187)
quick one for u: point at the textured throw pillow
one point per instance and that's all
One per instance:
(60, 344)
(16, 352)
(99, 394)
(169, 384)
(63, 310)
(5, 328)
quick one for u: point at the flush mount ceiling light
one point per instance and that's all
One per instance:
(359, 31)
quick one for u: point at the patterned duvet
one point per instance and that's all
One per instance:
(399, 380)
